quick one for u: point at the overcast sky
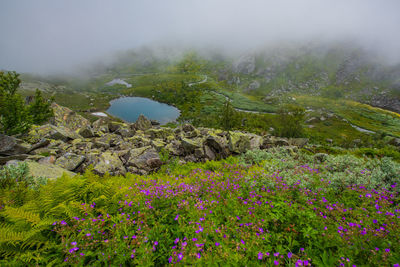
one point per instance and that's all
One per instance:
(56, 35)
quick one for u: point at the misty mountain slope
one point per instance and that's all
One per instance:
(330, 82)
(334, 73)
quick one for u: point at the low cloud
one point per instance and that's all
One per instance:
(47, 36)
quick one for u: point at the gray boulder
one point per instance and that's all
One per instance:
(86, 132)
(142, 123)
(70, 161)
(109, 163)
(218, 145)
(190, 145)
(11, 146)
(47, 170)
(145, 158)
(254, 85)
(239, 142)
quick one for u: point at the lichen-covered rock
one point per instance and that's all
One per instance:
(67, 118)
(49, 131)
(145, 158)
(199, 153)
(218, 145)
(70, 161)
(175, 148)
(192, 134)
(5, 159)
(125, 132)
(272, 141)
(114, 126)
(188, 128)
(139, 141)
(161, 133)
(109, 163)
(12, 146)
(86, 132)
(63, 133)
(239, 142)
(190, 145)
(255, 141)
(142, 123)
(299, 142)
(209, 153)
(158, 144)
(100, 126)
(47, 160)
(47, 170)
(42, 143)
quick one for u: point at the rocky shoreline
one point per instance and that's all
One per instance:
(70, 143)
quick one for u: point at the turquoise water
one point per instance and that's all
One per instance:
(129, 109)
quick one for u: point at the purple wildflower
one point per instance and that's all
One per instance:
(180, 256)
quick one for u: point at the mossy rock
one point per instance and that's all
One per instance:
(47, 170)
(70, 161)
(239, 142)
(109, 163)
(190, 145)
(161, 133)
(67, 118)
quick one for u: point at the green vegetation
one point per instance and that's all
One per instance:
(15, 117)
(319, 83)
(40, 109)
(263, 208)
(291, 118)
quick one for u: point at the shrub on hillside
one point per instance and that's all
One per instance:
(290, 123)
(15, 116)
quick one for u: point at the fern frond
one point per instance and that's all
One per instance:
(20, 214)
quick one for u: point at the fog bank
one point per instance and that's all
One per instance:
(47, 36)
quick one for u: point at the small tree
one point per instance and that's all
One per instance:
(40, 109)
(14, 117)
(228, 116)
(291, 119)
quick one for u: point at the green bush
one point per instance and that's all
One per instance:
(290, 123)
(40, 109)
(15, 116)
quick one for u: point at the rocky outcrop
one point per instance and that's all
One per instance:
(67, 118)
(70, 161)
(239, 142)
(47, 170)
(142, 123)
(12, 146)
(254, 85)
(109, 163)
(12, 149)
(116, 148)
(245, 65)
